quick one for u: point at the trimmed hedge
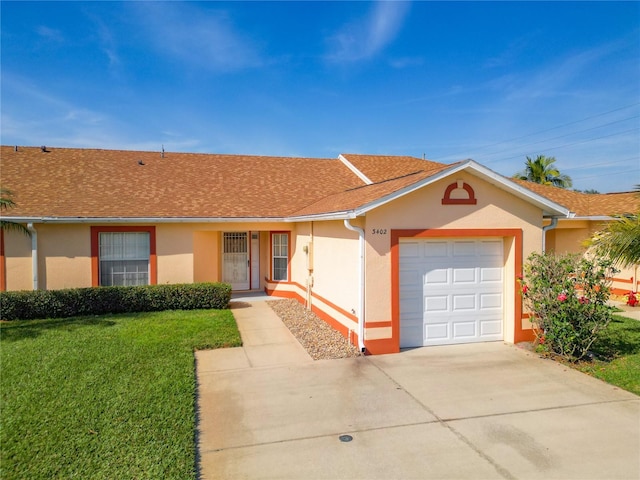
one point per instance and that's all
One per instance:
(27, 305)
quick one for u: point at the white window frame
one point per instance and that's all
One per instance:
(123, 255)
(279, 251)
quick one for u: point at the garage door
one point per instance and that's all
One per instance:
(451, 291)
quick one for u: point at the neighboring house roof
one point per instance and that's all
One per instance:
(588, 204)
(68, 184)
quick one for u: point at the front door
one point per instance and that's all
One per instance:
(235, 260)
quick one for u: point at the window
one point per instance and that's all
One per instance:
(280, 259)
(123, 256)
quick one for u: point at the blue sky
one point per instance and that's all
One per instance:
(492, 81)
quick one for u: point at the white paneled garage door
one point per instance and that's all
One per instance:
(451, 291)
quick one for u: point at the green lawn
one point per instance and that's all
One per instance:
(104, 397)
(618, 352)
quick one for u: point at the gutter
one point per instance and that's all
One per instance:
(34, 254)
(361, 283)
(139, 220)
(551, 226)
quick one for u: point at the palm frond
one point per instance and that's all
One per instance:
(619, 241)
(6, 202)
(8, 226)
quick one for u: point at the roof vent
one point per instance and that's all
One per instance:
(140, 162)
(162, 154)
(15, 149)
(44, 149)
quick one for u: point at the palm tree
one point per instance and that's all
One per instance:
(541, 170)
(6, 202)
(620, 240)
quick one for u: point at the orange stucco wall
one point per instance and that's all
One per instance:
(569, 237)
(17, 250)
(185, 253)
(205, 256)
(64, 254)
(423, 209)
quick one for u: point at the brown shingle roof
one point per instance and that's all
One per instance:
(90, 183)
(585, 204)
(361, 196)
(378, 168)
(111, 183)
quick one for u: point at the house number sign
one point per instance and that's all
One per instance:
(379, 231)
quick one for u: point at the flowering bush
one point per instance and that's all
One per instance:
(567, 298)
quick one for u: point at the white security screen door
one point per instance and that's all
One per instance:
(235, 260)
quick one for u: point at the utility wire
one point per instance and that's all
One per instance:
(547, 130)
(564, 125)
(565, 135)
(617, 162)
(567, 145)
(626, 172)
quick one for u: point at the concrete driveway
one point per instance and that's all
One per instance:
(489, 410)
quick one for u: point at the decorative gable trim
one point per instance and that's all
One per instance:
(352, 167)
(459, 185)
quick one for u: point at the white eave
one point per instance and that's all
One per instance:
(141, 220)
(343, 215)
(595, 218)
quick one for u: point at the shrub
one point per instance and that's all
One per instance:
(26, 305)
(567, 297)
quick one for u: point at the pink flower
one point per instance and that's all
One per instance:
(562, 297)
(583, 300)
(525, 289)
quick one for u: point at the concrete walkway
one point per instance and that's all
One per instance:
(489, 410)
(627, 311)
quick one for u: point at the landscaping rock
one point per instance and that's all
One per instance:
(319, 339)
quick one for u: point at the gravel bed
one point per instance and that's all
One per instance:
(316, 336)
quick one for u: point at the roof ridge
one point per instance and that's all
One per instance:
(385, 180)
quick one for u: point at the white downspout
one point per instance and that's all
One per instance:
(34, 254)
(551, 226)
(361, 280)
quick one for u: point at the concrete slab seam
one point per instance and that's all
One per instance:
(543, 409)
(499, 468)
(326, 435)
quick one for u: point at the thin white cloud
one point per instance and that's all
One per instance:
(109, 47)
(50, 34)
(406, 62)
(365, 38)
(64, 123)
(197, 36)
(557, 78)
(513, 51)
